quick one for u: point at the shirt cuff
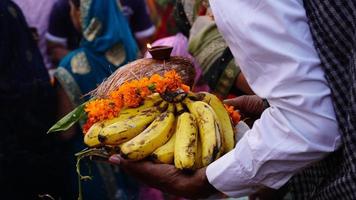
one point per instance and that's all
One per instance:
(239, 173)
(226, 173)
(55, 39)
(145, 33)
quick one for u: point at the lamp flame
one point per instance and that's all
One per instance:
(149, 46)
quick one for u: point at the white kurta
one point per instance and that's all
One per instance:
(271, 42)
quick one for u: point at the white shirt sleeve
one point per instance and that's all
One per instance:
(271, 41)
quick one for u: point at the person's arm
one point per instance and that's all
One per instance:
(141, 24)
(272, 44)
(64, 107)
(241, 84)
(56, 51)
(57, 33)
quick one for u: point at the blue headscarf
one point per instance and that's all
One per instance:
(107, 44)
(114, 28)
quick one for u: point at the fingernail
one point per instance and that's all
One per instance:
(115, 159)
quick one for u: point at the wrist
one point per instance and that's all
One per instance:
(206, 188)
(265, 104)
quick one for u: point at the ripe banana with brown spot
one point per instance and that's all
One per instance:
(209, 130)
(154, 136)
(91, 137)
(224, 119)
(150, 101)
(185, 148)
(165, 153)
(198, 159)
(127, 129)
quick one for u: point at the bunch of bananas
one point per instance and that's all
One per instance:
(190, 132)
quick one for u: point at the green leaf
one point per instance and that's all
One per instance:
(69, 120)
(152, 87)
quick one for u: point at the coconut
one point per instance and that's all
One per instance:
(146, 67)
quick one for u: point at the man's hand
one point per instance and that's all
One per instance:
(249, 105)
(167, 178)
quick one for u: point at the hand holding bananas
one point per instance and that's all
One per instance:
(167, 178)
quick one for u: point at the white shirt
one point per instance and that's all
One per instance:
(271, 42)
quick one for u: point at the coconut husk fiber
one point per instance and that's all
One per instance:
(144, 68)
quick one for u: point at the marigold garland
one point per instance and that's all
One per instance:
(131, 94)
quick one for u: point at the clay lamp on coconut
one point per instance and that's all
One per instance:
(160, 52)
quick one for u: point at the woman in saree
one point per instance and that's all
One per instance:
(209, 49)
(107, 44)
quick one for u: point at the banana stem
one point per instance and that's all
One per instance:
(174, 97)
(80, 195)
(102, 153)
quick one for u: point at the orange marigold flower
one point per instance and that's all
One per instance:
(161, 87)
(131, 94)
(100, 109)
(185, 88)
(131, 98)
(155, 78)
(145, 91)
(235, 115)
(115, 94)
(173, 75)
(87, 125)
(144, 87)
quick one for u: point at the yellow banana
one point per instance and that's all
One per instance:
(165, 153)
(91, 137)
(150, 101)
(127, 129)
(198, 159)
(209, 130)
(224, 120)
(185, 148)
(154, 136)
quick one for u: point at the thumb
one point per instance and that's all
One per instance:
(250, 105)
(236, 102)
(117, 160)
(137, 167)
(123, 163)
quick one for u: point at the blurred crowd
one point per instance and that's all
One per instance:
(53, 52)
